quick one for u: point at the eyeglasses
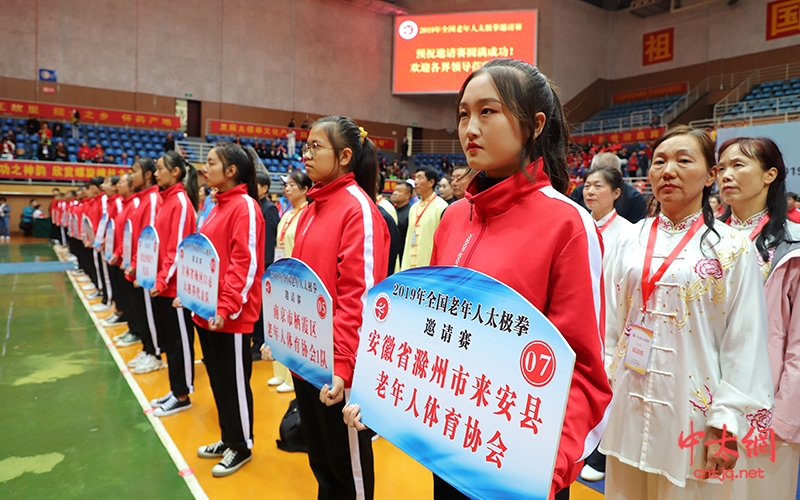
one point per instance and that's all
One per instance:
(310, 149)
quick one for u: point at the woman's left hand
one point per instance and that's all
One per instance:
(216, 323)
(331, 396)
(154, 292)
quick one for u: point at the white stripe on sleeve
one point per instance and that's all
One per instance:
(251, 247)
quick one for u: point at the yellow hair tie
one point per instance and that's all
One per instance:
(364, 134)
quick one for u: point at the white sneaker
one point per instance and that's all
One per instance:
(274, 381)
(590, 474)
(118, 337)
(285, 388)
(101, 307)
(155, 403)
(172, 406)
(149, 364)
(88, 287)
(83, 279)
(140, 356)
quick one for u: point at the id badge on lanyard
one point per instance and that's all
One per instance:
(280, 253)
(414, 238)
(637, 353)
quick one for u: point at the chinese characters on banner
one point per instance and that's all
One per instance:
(466, 376)
(624, 137)
(227, 127)
(298, 320)
(56, 171)
(101, 233)
(87, 232)
(435, 53)
(783, 18)
(147, 258)
(108, 251)
(650, 93)
(89, 115)
(198, 275)
(658, 47)
(127, 244)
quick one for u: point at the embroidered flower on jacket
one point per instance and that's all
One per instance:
(761, 420)
(708, 267)
(760, 259)
(704, 401)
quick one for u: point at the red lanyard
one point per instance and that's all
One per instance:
(649, 285)
(416, 223)
(757, 229)
(608, 223)
(289, 222)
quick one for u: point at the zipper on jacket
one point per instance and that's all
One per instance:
(477, 240)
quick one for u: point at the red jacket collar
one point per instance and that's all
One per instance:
(321, 194)
(234, 192)
(499, 198)
(146, 191)
(173, 189)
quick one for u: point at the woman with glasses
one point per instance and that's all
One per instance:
(343, 238)
(295, 189)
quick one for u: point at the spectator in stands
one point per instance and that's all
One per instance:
(26, 219)
(169, 143)
(33, 125)
(261, 150)
(278, 150)
(423, 219)
(404, 146)
(97, 153)
(446, 189)
(46, 151)
(7, 149)
(61, 152)
(291, 123)
(58, 129)
(631, 204)
(305, 125)
(12, 136)
(84, 153)
(44, 131)
(110, 160)
(401, 198)
(124, 160)
(76, 120)
(21, 154)
(462, 175)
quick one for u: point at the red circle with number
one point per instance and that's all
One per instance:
(181, 253)
(213, 265)
(268, 287)
(382, 307)
(322, 307)
(538, 363)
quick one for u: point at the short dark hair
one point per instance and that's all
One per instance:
(430, 173)
(262, 179)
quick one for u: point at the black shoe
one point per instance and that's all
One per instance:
(213, 450)
(232, 461)
(171, 406)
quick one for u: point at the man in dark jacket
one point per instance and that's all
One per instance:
(630, 204)
(271, 220)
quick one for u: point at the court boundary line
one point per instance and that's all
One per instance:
(172, 449)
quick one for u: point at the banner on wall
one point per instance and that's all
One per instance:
(89, 115)
(434, 53)
(198, 275)
(147, 258)
(242, 129)
(623, 137)
(57, 171)
(462, 373)
(298, 320)
(658, 46)
(783, 19)
(650, 93)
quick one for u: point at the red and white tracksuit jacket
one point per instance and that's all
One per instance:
(129, 204)
(342, 236)
(532, 238)
(144, 215)
(176, 221)
(236, 229)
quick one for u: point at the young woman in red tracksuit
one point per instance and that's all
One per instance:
(176, 221)
(344, 239)
(113, 207)
(512, 129)
(143, 173)
(235, 227)
(125, 290)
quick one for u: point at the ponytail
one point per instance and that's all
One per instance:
(344, 133)
(172, 160)
(233, 154)
(146, 164)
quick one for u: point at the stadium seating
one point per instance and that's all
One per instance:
(766, 99)
(618, 116)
